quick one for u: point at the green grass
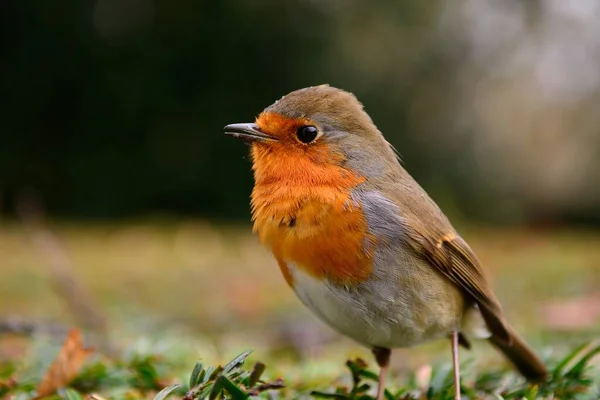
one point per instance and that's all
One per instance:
(178, 292)
(143, 372)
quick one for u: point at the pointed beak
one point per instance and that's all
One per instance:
(248, 132)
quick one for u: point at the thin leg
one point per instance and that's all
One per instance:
(382, 356)
(456, 365)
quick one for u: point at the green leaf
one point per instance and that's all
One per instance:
(216, 372)
(531, 393)
(238, 375)
(146, 375)
(204, 392)
(388, 395)
(574, 354)
(166, 391)
(236, 362)
(325, 395)
(236, 392)
(361, 388)
(71, 394)
(356, 366)
(208, 375)
(217, 388)
(579, 368)
(195, 377)
(365, 373)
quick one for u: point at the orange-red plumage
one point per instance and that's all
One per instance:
(302, 206)
(278, 125)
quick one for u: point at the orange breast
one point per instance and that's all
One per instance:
(303, 212)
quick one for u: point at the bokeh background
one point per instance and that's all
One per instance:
(124, 209)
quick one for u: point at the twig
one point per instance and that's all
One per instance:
(278, 384)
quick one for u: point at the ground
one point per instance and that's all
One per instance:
(190, 290)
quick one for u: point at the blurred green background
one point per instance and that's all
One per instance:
(114, 108)
(111, 124)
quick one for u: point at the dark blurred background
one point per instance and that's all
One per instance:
(115, 108)
(111, 117)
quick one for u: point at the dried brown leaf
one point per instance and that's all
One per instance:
(66, 366)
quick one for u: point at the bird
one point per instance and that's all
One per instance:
(359, 241)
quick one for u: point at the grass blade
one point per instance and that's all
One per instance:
(325, 395)
(165, 392)
(195, 375)
(564, 362)
(236, 362)
(71, 394)
(579, 368)
(235, 392)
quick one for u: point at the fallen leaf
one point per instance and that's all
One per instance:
(66, 366)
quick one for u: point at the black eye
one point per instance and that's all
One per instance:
(307, 133)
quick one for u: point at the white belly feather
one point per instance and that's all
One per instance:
(376, 313)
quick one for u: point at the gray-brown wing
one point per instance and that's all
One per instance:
(447, 252)
(453, 257)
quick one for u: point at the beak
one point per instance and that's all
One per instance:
(248, 132)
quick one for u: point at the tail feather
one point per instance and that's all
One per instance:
(521, 355)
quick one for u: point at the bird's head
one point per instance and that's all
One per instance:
(313, 134)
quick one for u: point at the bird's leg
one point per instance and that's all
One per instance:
(382, 356)
(456, 365)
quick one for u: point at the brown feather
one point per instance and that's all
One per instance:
(452, 257)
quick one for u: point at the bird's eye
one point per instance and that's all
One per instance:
(307, 133)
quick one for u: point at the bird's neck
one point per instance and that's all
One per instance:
(305, 215)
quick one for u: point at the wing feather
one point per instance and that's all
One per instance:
(453, 257)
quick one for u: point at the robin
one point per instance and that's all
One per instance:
(359, 241)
